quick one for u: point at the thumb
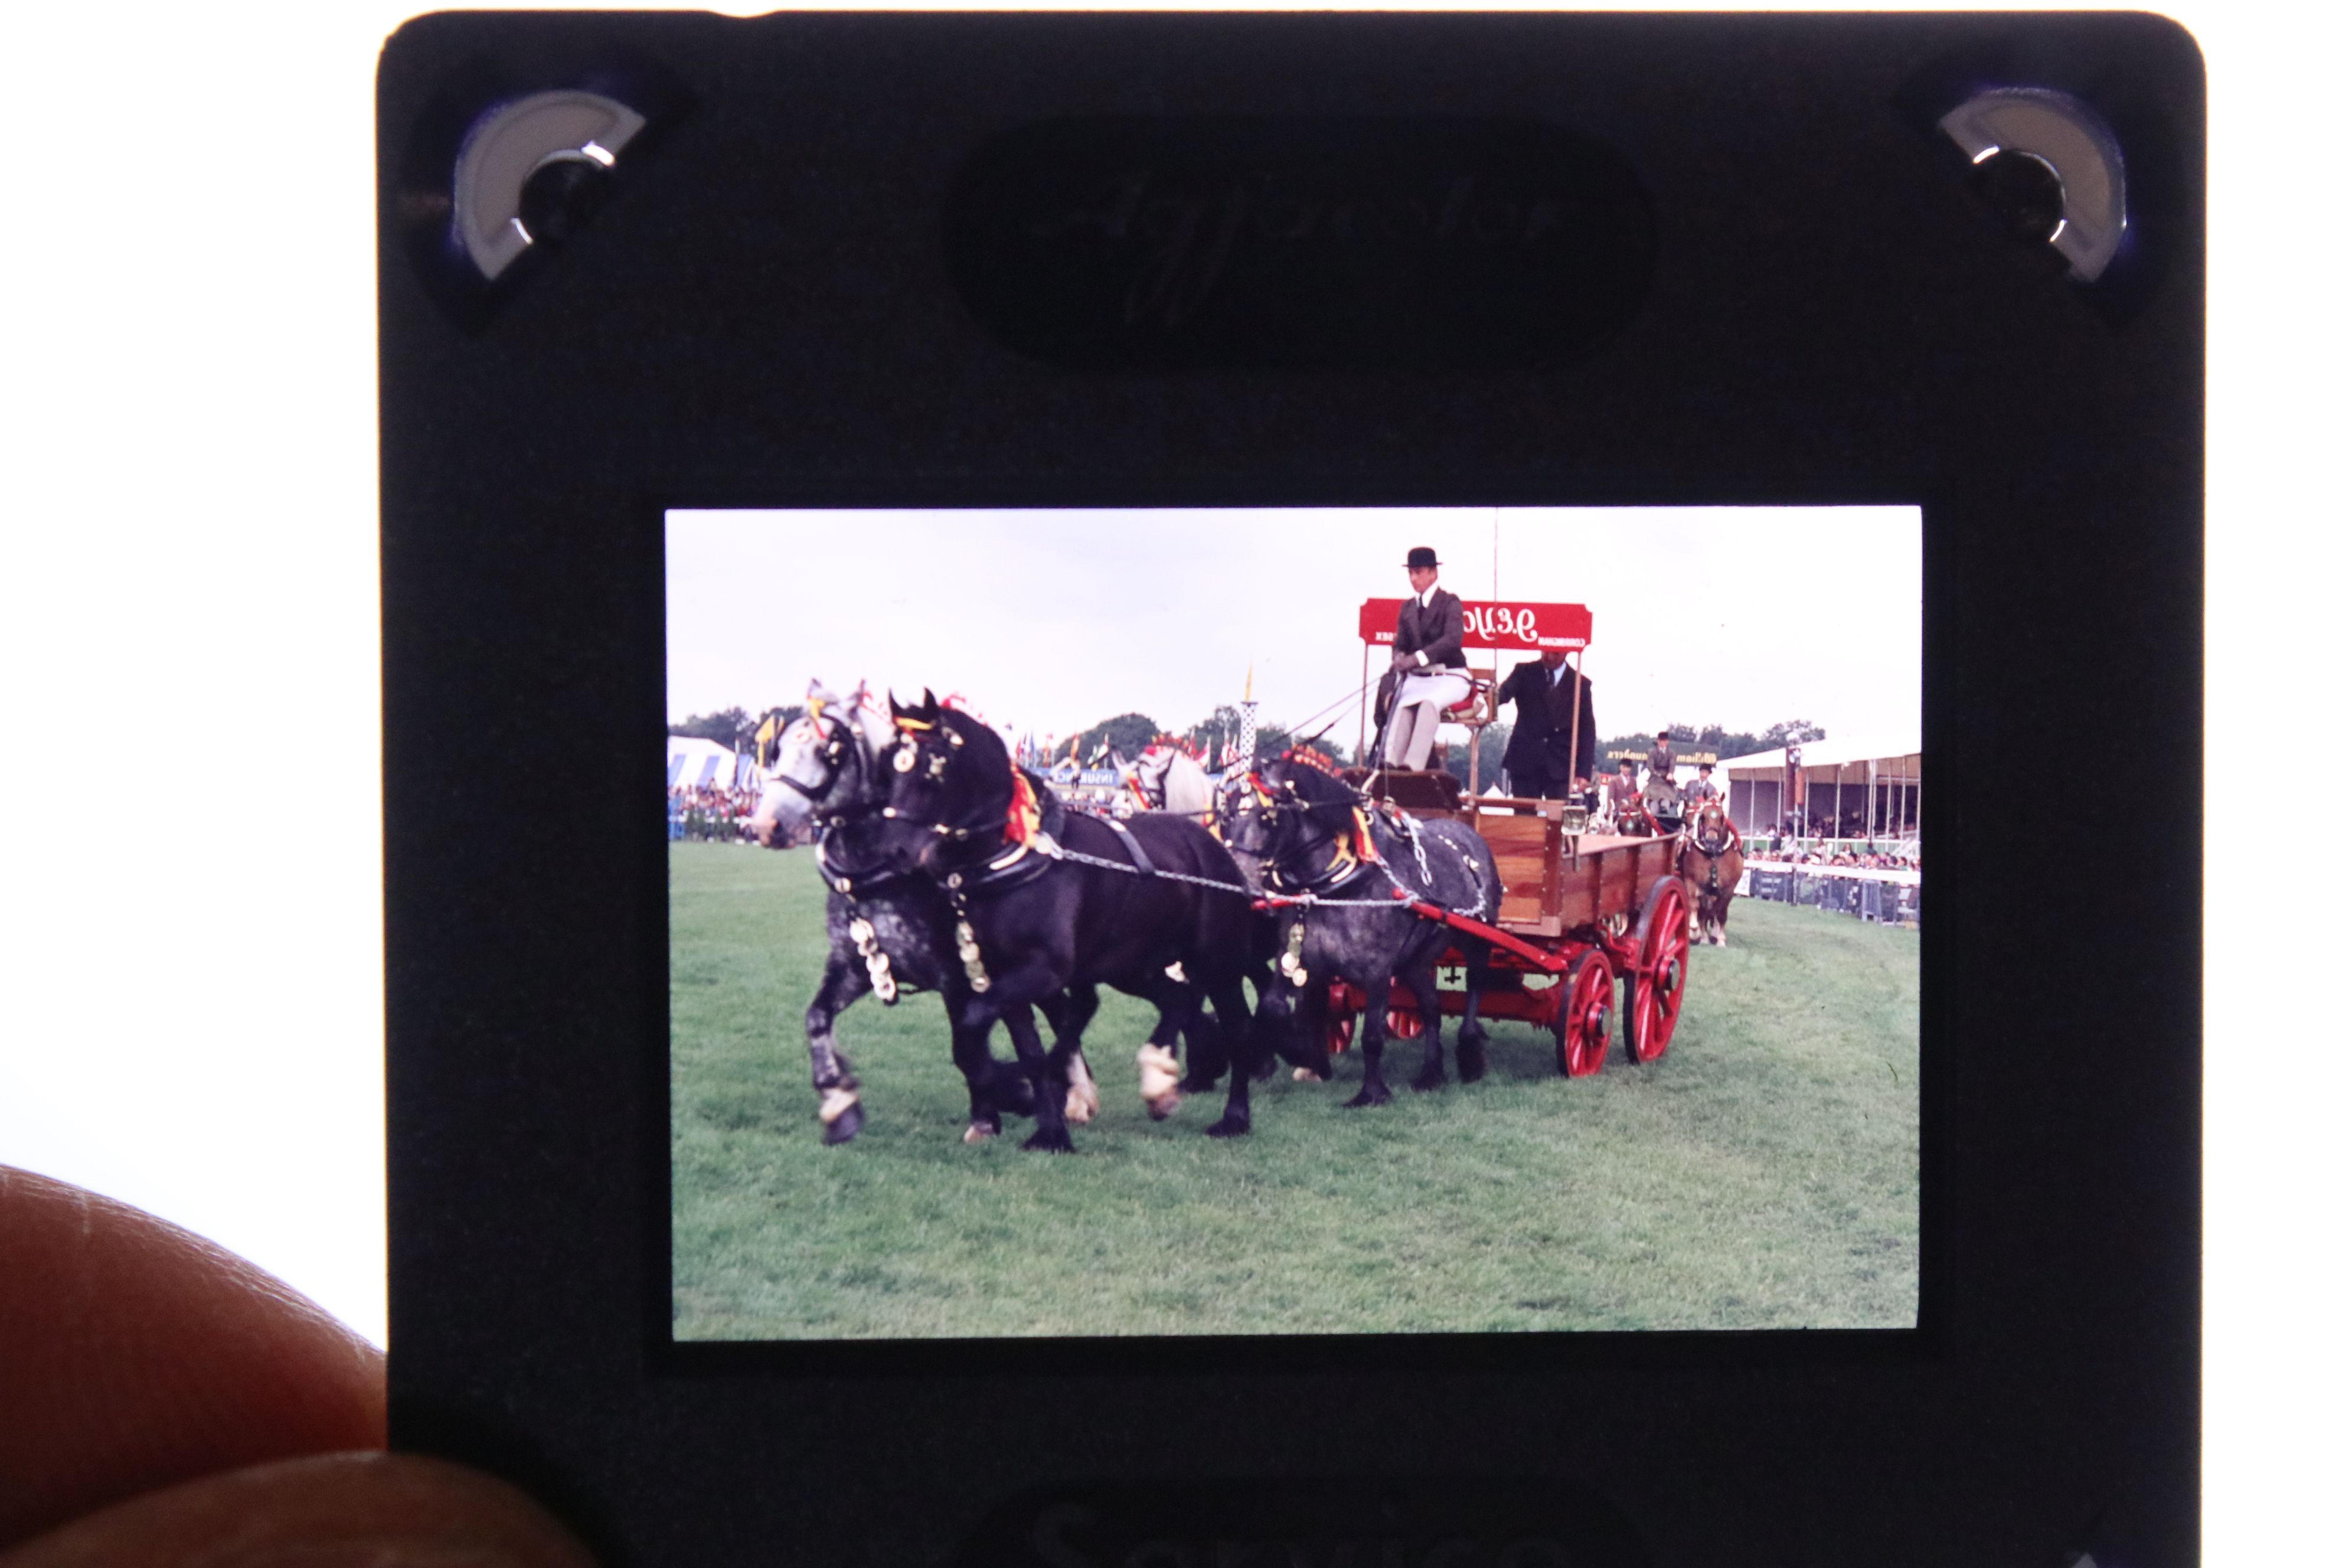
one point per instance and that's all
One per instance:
(334, 1511)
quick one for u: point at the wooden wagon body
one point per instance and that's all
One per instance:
(1581, 911)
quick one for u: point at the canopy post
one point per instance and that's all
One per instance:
(1364, 698)
(1576, 726)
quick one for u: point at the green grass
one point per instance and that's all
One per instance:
(1763, 1174)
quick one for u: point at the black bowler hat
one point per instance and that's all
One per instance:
(1419, 556)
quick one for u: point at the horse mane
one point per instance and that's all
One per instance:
(1051, 812)
(1330, 800)
(985, 747)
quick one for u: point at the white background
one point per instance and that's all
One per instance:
(189, 998)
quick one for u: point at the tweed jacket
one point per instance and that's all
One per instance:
(1436, 631)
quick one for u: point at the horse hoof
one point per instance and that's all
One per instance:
(1471, 1063)
(980, 1132)
(1364, 1097)
(1054, 1141)
(1157, 1065)
(1227, 1126)
(845, 1126)
(1428, 1083)
(1082, 1103)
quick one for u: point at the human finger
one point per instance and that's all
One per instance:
(336, 1510)
(134, 1355)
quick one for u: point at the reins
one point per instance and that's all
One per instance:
(1316, 892)
(1008, 862)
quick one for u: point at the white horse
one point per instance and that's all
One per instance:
(1168, 778)
(799, 759)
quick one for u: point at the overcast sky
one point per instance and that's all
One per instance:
(1049, 622)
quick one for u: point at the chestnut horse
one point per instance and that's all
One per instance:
(1710, 865)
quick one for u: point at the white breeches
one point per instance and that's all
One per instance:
(1412, 725)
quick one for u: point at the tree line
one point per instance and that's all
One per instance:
(1130, 733)
(729, 726)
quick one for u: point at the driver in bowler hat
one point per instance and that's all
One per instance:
(1431, 673)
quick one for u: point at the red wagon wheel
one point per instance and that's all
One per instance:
(1654, 991)
(1581, 1027)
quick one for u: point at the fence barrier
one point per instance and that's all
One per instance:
(1758, 847)
(1889, 898)
(702, 825)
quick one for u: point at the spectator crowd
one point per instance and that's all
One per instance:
(711, 813)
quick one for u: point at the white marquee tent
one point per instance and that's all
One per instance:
(1872, 785)
(694, 764)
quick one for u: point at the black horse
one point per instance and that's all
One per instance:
(1032, 921)
(1311, 836)
(889, 929)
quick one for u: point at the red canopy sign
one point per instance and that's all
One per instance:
(1488, 623)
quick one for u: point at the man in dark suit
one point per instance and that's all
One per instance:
(1554, 738)
(1431, 673)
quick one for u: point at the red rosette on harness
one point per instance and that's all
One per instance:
(1022, 814)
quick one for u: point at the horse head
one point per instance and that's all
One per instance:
(1710, 826)
(1144, 779)
(950, 784)
(1183, 782)
(1252, 824)
(1294, 819)
(1308, 776)
(820, 762)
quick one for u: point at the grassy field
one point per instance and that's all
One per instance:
(1764, 1174)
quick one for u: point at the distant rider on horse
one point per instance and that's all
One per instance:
(1702, 789)
(1624, 792)
(1660, 795)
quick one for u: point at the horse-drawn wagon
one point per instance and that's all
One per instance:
(1581, 911)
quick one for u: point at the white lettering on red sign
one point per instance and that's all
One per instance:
(1493, 620)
